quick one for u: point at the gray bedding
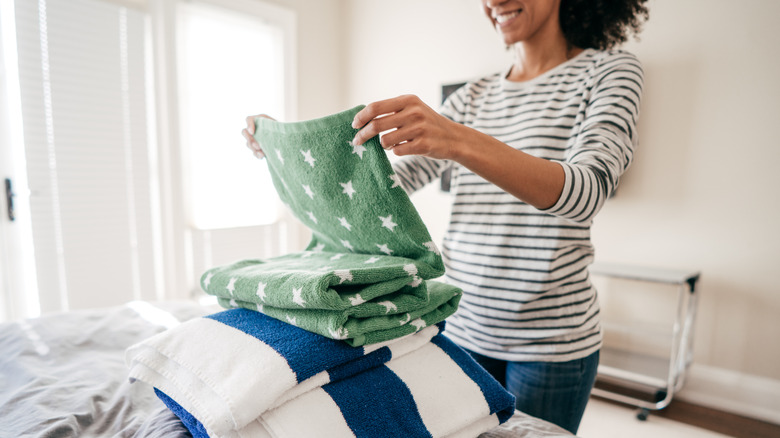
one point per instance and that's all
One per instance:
(64, 375)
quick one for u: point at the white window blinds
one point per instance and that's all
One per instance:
(83, 85)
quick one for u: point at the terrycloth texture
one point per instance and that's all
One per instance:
(363, 276)
(266, 378)
(230, 367)
(347, 195)
(359, 302)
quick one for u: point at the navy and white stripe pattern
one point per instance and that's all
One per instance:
(527, 293)
(240, 373)
(212, 365)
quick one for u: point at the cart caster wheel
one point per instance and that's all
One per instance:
(642, 414)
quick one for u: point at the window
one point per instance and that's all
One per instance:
(98, 121)
(232, 64)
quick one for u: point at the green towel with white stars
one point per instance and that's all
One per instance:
(365, 277)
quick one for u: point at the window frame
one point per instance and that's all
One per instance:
(180, 238)
(280, 23)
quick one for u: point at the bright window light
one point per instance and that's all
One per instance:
(231, 66)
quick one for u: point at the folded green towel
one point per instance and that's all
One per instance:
(363, 276)
(360, 298)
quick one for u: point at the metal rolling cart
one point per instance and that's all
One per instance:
(643, 380)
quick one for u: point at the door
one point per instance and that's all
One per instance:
(18, 291)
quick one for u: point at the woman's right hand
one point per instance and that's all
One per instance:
(249, 133)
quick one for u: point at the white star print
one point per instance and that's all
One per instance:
(308, 191)
(279, 156)
(207, 280)
(387, 222)
(308, 158)
(297, 298)
(260, 308)
(345, 224)
(231, 285)
(261, 291)
(389, 305)
(343, 274)
(396, 181)
(325, 268)
(339, 333)
(347, 245)
(306, 254)
(419, 323)
(408, 317)
(233, 303)
(432, 247)
(384, 249)
(337, 256)
(319, 247)
(372, 260)
(357, 149)
(311, 216)
(411, 269)
(290, 320)
(348, 189)
(416, 281)
(356, 300)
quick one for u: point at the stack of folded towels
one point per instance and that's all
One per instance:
(240, 373)
(342, 339)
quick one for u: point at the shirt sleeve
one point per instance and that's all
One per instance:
(604, 147)
(415, 171)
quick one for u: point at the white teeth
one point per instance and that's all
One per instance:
(504, 17)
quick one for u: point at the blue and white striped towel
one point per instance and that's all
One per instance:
(281, 381)
(230, 367)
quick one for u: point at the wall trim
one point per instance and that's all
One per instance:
(731, 391)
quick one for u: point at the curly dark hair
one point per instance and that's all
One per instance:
(601, 24)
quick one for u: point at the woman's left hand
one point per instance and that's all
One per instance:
(410, 127)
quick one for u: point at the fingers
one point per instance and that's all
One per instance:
(386, 124)
(252, 144)
(374, 110)
(383, 116)
(248, 133)
(392, 139)
(250, 124)
(405, 148)
(264, 116)
(375, 117)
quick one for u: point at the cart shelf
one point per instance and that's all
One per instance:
(662, 376)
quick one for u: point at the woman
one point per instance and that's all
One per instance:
(536, 151)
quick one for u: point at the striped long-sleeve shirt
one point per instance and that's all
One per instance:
(524, 271)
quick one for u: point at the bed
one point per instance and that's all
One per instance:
(64, 375)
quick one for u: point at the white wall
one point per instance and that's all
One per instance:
(320, 58)
(702, 193)
(401, 47)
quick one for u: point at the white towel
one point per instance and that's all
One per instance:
(242, 374)
(228, 368)
(430, 392)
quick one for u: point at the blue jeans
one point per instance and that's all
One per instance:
(553, 391)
